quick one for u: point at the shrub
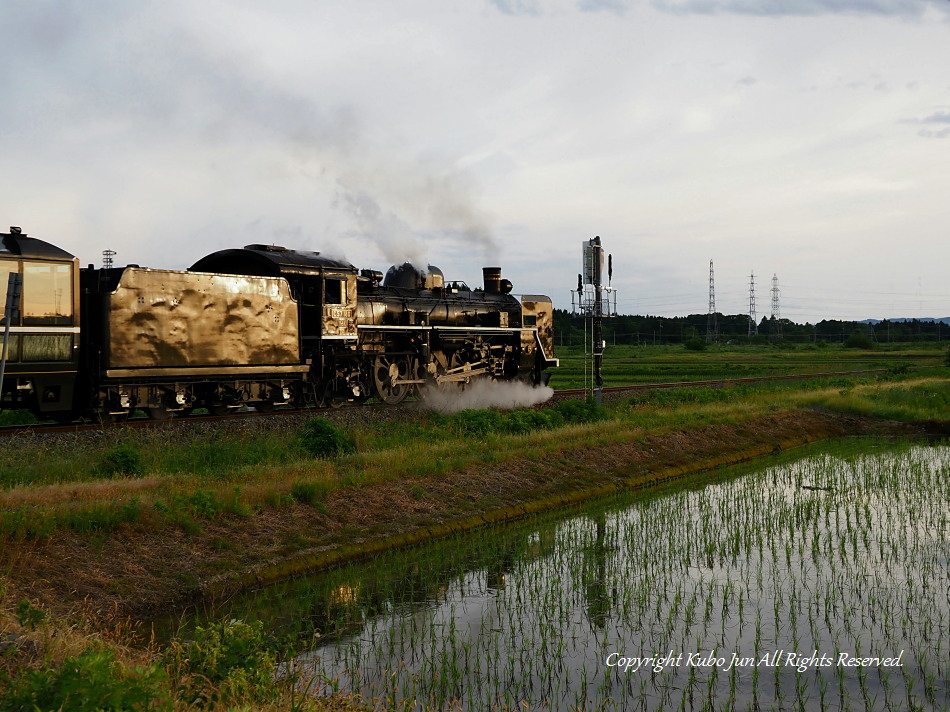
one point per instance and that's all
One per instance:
(91, 681)
(695, 344)
(321, 438)
(235, 657)
(28, 616)
(17, 417)
(526, 421)
(203, 503)
(477, 422)
(121, 459)
(577, 411)
(858, 340)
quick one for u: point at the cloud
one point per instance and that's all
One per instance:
(903, 8)
(517, 7)
(618, 7)
(938, 118)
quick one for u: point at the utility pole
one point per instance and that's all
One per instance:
(753, 323)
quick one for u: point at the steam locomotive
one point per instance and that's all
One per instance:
(261, 326)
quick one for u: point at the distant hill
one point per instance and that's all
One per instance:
(942, 320)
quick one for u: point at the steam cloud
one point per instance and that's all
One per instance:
(483, 394)
(403, 207)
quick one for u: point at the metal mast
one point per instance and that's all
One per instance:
(712, 327)
(107, 256)
(776, 313)
(753, 323)
(594, 306)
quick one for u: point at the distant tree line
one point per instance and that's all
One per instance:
(734, 328)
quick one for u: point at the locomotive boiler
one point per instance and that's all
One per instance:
(261, 326)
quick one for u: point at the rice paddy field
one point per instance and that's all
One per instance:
(819, 581)
(627, 365)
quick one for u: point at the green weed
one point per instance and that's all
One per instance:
(321, 438)
(122, 459)
(90, 682)
(235, 657)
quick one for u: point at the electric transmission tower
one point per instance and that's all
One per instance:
(753, 324)
(776, 312)
(712, 327)
(107, 256)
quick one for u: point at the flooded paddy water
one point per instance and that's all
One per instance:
(818, 580)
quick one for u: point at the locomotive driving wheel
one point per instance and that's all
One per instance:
(387, 371)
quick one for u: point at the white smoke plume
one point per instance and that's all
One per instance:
(405, 205)
(395, 239)
(483, 393)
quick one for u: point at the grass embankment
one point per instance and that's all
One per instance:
(144, 521)
(189, 506)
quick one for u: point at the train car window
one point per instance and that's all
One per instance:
(47, 294)
(530, 320)
(333, 291)
(47, 347)
(6, 267)
(13, 348)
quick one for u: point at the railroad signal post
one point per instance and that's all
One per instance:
(595, 301)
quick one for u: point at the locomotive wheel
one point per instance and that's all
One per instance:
(386, 370)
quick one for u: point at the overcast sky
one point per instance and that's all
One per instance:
(804, 138)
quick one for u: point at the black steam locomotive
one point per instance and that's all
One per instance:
(260, 326)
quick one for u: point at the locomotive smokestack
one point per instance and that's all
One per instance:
(492, 276)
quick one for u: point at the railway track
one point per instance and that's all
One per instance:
(50, 428)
